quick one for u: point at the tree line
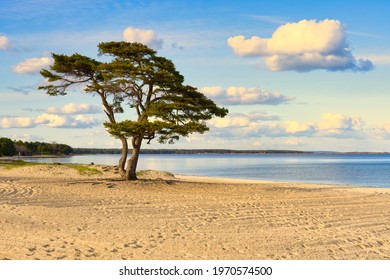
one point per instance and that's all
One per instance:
(91, 151)
(9, 147)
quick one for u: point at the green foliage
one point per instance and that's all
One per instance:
(7, 147)
(85, 170)
(11, 164)
(41, 148)
(136, 77)
(166, 108)
(82, 169)
(81, 68)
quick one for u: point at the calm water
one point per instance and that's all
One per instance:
(360, 170)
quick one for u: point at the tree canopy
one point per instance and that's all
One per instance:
(7, 147)
(10, 147)
(136, 78)
(77, 69)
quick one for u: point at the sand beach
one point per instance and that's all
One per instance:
(52, 212)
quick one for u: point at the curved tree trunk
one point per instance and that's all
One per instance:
(133, 161)
(124, 152)
(125, 147)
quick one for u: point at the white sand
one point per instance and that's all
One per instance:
(52, 212)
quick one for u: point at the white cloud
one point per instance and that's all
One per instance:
(81, 121)
(240, 125)
(61, 121)
(52, 120)
(337, 124)
(18, 122)
(144, 36)
(254, 46)
(244, 96)
(238, 120)
(303, 46)
(49, 120)
(72, 108)
(330, 125)
(4, 42)
(260, 124)
(295, 127)
(287, 129)
(70, 115)
(32, 65)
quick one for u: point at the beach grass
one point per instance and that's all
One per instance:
(85, 170)
(82, 169)
(11, 164)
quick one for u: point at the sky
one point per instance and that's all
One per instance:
(295, 75)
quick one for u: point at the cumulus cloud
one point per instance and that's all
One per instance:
(52, 120)
(144, 36)
(4, 42)
(231, 121)
(330, 125)
(240, 125)
(337, 124)
(295, 127)
(288, 128)
(17, 122)
(49, 120)
(70, 115)
(245, 96)
(81, 121)
(61, 121)
(72, 108)
(260, 124)
(303, 46)
(32, 65)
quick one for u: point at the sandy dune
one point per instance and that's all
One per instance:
(52, 212)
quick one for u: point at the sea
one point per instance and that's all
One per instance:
(343, 169)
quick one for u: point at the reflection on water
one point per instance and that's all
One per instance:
(362, 170)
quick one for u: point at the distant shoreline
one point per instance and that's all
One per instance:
(33, 156)
(86, 151)
(97, 151)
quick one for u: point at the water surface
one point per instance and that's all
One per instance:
(345, 169)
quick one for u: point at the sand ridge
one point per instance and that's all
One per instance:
(53, 212)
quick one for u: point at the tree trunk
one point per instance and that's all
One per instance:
(133, 161)
(122, 160)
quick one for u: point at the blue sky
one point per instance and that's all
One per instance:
(298, 75)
